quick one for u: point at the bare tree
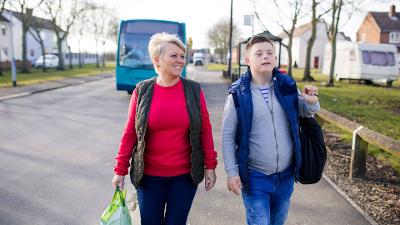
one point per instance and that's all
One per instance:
(332, 34)
(333, 28)
(63, 18)
(36, 32)
(112, 29)
(25, 15)
(81, 28)
(102, 24)
(218, 36)
(2, 5)
(315, 19)
(296, 13)
(97, 23)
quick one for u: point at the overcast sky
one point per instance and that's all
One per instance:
(200, 15)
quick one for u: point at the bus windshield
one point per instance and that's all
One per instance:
(133, 51)
(134, 39)
(133, 59)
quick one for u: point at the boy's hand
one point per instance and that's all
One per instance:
(234, 184)
(209, 179)
(310, 94)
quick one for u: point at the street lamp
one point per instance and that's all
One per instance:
(13, 66)
(104, 53)
(230, 44)
(70, 57)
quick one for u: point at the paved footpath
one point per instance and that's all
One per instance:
(317, 204)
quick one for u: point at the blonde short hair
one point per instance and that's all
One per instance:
(158, 42)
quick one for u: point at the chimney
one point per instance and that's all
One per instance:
(29, 12)
(392, 11)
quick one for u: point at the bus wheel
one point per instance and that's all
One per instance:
(129, 92)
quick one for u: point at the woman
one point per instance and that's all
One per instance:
(169, 132)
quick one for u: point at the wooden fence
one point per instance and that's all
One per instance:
(362, 136)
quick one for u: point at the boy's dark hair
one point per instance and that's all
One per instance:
(258, 39)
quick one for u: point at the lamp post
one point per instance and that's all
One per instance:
(104, 53)
(13, 66)
(70, 57)
(230, 43)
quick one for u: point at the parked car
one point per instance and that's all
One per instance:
(50, 60)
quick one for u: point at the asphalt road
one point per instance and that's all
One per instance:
(57, 152)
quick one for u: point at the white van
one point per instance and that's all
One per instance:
(363, 61)
(198, 59)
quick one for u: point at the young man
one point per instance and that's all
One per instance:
(260, 134)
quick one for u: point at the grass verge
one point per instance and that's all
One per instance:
(38, 76)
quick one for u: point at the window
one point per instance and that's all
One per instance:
(133, 52)
(32, 52)
(378, 58)
(391, 59)
(366, 57)
(5, 50)
(3, 30)
(394, 37)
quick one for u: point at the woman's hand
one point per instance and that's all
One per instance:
(310, 94)
(118, 181)
(209, 179)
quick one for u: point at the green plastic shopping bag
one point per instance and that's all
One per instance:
(116, 213)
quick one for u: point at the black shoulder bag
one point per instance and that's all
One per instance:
(313, 151)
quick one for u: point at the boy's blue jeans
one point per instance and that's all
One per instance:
(165, 200)
(267, 198)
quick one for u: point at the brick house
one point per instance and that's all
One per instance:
(381, 27)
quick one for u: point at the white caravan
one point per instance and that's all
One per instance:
(363, 61)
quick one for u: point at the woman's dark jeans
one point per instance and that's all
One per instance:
(165, 200)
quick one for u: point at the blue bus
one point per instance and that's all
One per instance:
(133, 60)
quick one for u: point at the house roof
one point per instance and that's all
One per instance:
(347, 38)
(37, 21)
(386, 23)
(2, 18)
